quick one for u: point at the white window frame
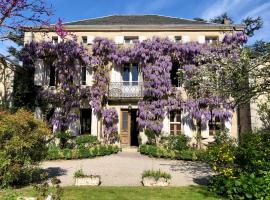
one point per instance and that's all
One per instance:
(131, 39)
(131, 65)
(175, 122)
(178, 39)
(210, 39)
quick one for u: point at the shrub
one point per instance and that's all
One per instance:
(244, 171)
(67, 154)
(156, 174)
(22, 146)
(79, 174)
(151, 136)
(86, 141)
(161, 152)
(245, 186)
(55, 152)
(252, 152)
(221, 154)
(63, 136)
(176, 142)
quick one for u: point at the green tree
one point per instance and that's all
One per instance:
(252, 24)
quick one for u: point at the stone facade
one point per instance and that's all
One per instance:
(123, 34)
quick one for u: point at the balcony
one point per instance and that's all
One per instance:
(126, 90)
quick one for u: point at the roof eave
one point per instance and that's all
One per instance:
(171, 27)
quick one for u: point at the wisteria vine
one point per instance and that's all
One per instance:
(155, 56)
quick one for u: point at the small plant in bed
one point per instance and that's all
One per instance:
(82, 179)
(155, 178)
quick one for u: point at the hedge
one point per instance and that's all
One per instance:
(56, 153)
(161, 152)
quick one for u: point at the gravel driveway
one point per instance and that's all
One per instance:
(125, 169)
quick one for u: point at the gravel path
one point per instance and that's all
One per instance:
(125, 169)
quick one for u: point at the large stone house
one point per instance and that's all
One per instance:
(9, 70)
(125, 88)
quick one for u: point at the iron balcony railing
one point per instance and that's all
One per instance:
(126, 89)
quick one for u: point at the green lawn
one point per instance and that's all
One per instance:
(122, 193)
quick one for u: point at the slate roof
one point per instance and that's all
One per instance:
(136, 20)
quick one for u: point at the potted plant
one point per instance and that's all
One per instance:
(155, 178)
(82, 179)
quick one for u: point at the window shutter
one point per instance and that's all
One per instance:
(47, 39)
(142, 38)
(59, 39)
(172, 38)
(119, 39)
(205, 131)
(39, 77)
(28, 37)
(185, 38)
(89, 75)
(201, 39)
(90, 39)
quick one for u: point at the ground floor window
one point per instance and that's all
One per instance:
(86, 118)
(175, 122)
(215, 125)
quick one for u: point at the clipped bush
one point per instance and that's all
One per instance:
(86, 141)
(55, 153)
(22, 146)
(161, 152)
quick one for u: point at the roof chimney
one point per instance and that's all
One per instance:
(226, 21)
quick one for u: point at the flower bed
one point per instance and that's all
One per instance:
(155, 178)
(55, 152)
(82, 179)
(161, 152)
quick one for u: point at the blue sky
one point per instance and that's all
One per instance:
(70, 10)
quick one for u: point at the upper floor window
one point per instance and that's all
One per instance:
(55, 39)
(211, 39)
(175, 122)
(178, 39)
(131, 39)
(176, 75)
(84, 39)
(52, 81)
(130, 74)
(83, 75)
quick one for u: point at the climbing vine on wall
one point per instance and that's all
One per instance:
(155, 57)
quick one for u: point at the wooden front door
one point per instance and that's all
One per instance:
(125, 128)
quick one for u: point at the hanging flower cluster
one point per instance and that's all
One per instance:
(103, 52)
(110, 120)
(66, 57)
(155, 57)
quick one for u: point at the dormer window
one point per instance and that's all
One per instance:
(131, 39)
(211, 39)
(178, 39)
(54, 39)
(84, 39)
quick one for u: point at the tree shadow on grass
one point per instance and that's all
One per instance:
(204, 192)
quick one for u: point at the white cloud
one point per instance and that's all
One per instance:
(222, 6)
(258, 11)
